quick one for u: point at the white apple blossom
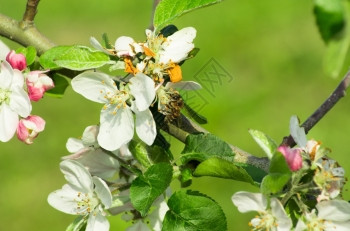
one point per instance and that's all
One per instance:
(171, 49)
(116, 119)
(14, 101)
(87, 152)
(329, 177)
(83, 195)
(271, 217)
(333, 215)
(177, 46)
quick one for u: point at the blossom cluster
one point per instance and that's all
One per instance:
(18, 87)
(315, 187)
(153, 72)
(87, 194)
(95, 168)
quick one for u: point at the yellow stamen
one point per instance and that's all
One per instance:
(175, 73)
(129, 67)
(149, 52)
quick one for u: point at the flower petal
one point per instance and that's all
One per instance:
(297, 132)
(146, 126)
(90, 135)
(77, 176)
(99, 163)
(19, 102)
(4, 50)
(337, 226)
(334, 210)
(64, 200)
(283, 221)
(301, 226)
(74, 145)
(142, 88)
(103, 192)
(184, 85)
(177, 46)
(6, 75)
(123, 46)
(94, 86)
(138, 226)
(246, 201)
(97, 222)
(116, 129)
(97, 45)
(8, 122)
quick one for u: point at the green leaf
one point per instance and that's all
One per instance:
(158, 154)
(330, 18)
(73, 57)
(274, 183)
(193, 53)
(47, 59)
(139, 152)
(78, 224)
(61, 84)
(335, 56)
(279, 175)
(193, 211)
(148, 155)
(278, 164)
(81, 58)
(217, 167)
(167, 10)
(194, 115)
(146, 188)
(185, 177)
(106, 41)
(257, 174)
(29, 52)
(264, 141)
(203, 146)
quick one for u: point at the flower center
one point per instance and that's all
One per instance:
(86, 203)
(316, 225)
(116, 99)
(4, 96)
(264, 221)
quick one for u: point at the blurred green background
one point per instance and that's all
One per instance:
(271, 48)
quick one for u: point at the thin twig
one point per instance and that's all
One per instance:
(155, 4)
(327, 105)
(31, 10)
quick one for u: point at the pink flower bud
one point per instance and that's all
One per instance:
(293, 157)
(17, 61)
(28, 129)
(38, 82)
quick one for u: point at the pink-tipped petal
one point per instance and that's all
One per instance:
(38, 83)
(17, 61)
(293, 157)
(29, 128)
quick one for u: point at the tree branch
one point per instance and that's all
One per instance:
(184, 127)
(327, 105)
(31, 10)
(24, 33)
